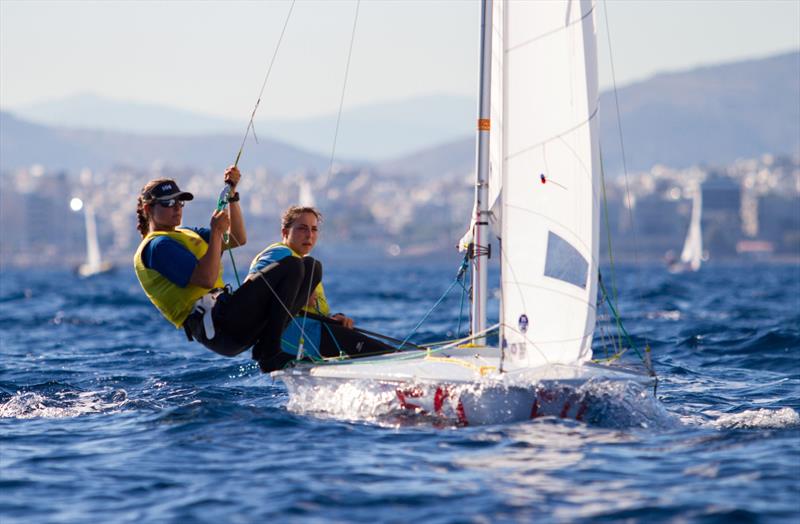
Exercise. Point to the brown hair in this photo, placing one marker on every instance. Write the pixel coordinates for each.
(143, 224)
(293, 212)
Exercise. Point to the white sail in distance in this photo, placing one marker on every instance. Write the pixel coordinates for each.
(692, 253)
(550, 179)
(93, 260)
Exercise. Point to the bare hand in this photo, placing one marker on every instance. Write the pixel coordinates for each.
(343, 320)
(232, 176)
(220, 222)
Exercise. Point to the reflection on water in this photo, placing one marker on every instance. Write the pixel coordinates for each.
(537, 462)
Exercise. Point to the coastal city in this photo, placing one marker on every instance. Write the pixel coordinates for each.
(749, 210)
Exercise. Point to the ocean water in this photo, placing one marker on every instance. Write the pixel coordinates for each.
(108, 414)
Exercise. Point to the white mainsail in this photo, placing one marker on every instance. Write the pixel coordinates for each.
(692, 253)
(550, 172)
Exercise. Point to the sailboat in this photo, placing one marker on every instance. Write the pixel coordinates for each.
(692, 254)
(94, 264)
(538, 189)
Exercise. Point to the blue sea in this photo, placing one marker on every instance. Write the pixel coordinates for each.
(108, 414)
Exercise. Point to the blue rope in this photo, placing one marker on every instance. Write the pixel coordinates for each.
(461, 270)
(464, 292)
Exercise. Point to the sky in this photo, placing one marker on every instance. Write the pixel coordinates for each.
(211, 57)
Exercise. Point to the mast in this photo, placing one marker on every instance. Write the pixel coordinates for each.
(480, 247)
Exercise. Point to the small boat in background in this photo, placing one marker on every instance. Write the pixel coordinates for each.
(94, 264)
(692, 255)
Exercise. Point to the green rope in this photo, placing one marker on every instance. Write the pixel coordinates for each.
(610, 248)
(623, 331)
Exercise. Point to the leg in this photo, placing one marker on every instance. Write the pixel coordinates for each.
(257, 312)
(336, 339)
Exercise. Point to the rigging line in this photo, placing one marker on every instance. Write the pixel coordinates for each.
(335, 136)
(560, 135)
(424, 318)
(341, 99)
(263, 85)
(291, 317)
(610, 250)
(233, 261)
(624, 164)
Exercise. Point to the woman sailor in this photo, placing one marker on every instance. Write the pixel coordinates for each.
(180, 271)
(323, 335)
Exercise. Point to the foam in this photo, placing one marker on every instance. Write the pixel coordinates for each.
(63, 404)
(760, 419)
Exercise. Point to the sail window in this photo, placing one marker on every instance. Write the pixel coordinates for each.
(564, 262)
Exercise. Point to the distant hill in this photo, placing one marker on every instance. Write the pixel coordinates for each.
(711, 115)
(370, 132)
(23, 144)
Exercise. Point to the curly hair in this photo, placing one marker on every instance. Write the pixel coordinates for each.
(293, 212)
(143, 224)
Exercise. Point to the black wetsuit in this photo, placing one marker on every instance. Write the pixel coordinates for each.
(257, 313)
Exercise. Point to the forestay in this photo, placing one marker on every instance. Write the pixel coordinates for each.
(549, 202)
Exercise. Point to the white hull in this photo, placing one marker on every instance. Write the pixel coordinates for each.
(459, 386)
(87, 270)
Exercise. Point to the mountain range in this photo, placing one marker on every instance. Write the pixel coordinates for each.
(708, 115)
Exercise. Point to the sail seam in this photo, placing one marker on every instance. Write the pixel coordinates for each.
(555, 137)
(550, 220)
(544, 288)
(552, 31)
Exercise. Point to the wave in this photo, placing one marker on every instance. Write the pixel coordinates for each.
(759, 419)
(62, 404)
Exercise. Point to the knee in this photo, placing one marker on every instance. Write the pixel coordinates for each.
(293, 265)
(313, 266)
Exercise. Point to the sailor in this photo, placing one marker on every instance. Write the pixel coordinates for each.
(322, 334)
(180, 271)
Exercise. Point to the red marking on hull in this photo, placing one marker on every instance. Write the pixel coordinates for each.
(462, 416)
(535, 408)
(438, 399)
(565, 409)
(581, 411)
(404, 403)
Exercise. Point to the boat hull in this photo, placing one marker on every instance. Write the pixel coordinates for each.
(563, 391)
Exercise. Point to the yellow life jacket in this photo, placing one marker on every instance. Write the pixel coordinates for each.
(321, 306)
(174, 302)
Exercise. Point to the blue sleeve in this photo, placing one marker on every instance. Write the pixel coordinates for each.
(202, 231)
(269, 256)
(171, 259)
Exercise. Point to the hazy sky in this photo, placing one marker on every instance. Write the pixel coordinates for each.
(211, 57)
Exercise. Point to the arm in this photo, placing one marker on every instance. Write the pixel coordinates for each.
(238, 234)
(207, 268)
(343, 320)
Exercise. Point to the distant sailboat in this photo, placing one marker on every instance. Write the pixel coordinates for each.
(692, 254)
(306, 194)
(94, 264)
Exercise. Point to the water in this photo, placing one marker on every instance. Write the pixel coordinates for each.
(107, 414)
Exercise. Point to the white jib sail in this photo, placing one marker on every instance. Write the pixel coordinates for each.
(692, 253)
(550, 172)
